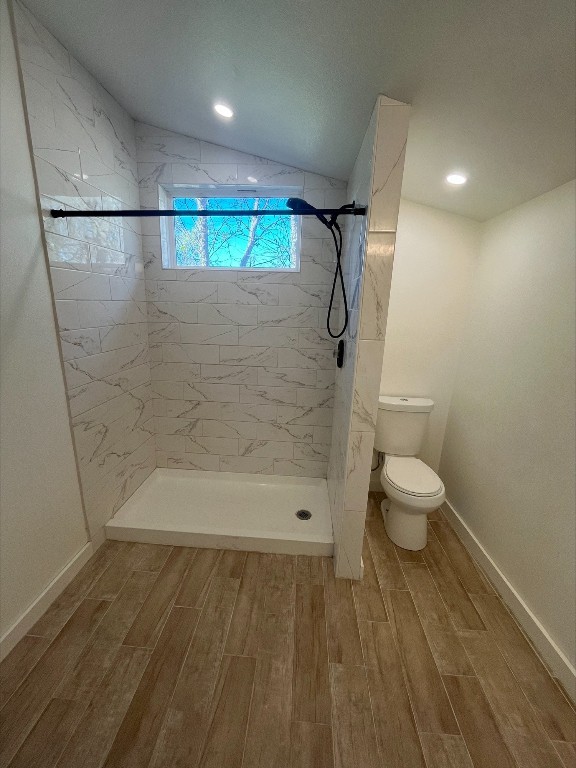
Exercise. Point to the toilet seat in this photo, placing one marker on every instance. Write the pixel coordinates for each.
(411, 476)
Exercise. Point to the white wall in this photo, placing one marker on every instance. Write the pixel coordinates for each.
(42, 524)
(509, 455)
(436, 254)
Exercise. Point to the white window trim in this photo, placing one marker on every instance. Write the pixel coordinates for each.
(167, 192)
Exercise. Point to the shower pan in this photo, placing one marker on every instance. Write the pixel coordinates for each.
(228, 510)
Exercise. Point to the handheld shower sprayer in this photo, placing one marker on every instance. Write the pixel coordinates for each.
(298, 205)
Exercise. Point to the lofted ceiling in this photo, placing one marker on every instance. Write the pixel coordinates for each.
(491, 82)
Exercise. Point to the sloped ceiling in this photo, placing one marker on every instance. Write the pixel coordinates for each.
(492, 83)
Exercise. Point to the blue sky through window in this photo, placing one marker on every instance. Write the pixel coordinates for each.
(235, 242)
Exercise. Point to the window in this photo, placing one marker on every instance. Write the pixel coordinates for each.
(232, 242)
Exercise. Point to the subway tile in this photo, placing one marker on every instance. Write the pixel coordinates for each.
(232, 293)
(204, 275)
(73, 284)
(208, 334)
(65, 188)
(109, 262)
(226, 314)
(172, 312)
(204, 173)
(100, 366)
(291, 317)
(243, 412)
(257, 431)
(268, 395)
(214, 153)
(258, 336)
(244, 355)
(152, 174)
(195, 461)
(56, 226)
(168, 389)
(126, 288)
(166, 331)
(325, 378)
(221, 446)
(276, 449)
(167, 149)
(271, 174)
(224, 393)
(192, 409)
(311, 416)
(66, 252)
(117, 336)
(171, 443)
(313, 338)
(172, 290)
(250, 464)
(168, 426)
(228, 374)
(105, 313)
(305, 358)
(310, 397)
(97, 231)
(67, 314)
(190, 353)
(79, 343)
(322, 435)
(278, 377)
(300, 468)
(304, 295)
(187, 372)
(88, 396)
(313, 451)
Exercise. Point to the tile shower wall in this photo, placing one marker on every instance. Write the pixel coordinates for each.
(376, 180)
(242, 365)
(85, 159)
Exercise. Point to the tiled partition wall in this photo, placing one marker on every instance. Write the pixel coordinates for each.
(85, 158)
(242, 365)
(376, 180)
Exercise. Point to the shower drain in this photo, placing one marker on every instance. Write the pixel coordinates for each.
(303, 514)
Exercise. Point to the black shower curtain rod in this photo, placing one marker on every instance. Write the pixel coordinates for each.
(58, 213)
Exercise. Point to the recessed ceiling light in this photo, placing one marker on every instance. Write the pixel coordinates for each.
(252, 179)
(456, 178)
(223, 110)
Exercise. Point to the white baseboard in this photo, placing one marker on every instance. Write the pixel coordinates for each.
(25, 623)
(551, 653)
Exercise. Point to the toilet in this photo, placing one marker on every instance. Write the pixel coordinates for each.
(412, 488)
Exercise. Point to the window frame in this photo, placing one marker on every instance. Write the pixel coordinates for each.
(167, 193)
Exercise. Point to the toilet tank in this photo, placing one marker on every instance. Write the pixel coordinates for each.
(401, 424)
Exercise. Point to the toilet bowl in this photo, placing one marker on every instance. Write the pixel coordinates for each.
(413, 490)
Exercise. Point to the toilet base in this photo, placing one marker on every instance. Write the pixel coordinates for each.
(407, 529)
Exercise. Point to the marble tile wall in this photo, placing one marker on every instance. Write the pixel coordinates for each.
(85, 159)
(242, 365)
(376, 181)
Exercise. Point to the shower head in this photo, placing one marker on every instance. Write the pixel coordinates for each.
(298, 205)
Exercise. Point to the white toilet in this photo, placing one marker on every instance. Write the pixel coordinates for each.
(412, 488)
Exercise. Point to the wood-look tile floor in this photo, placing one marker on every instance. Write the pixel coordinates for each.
(167, 657)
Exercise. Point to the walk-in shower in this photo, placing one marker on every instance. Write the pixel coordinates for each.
(206, 405)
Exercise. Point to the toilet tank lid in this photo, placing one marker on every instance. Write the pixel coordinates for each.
(413, 404)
